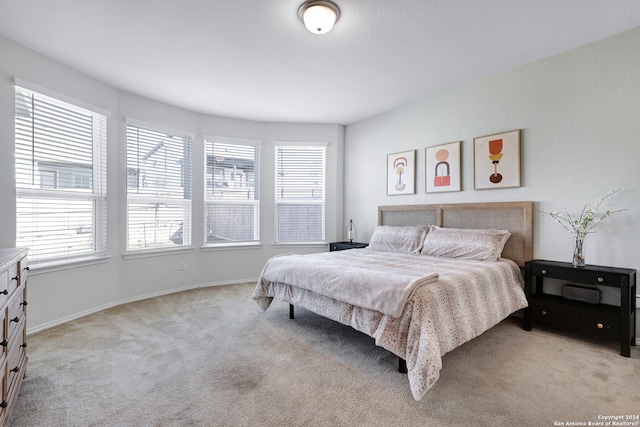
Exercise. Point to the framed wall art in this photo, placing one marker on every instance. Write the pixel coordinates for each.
(443, 169)
(497, 160)
(401, 173)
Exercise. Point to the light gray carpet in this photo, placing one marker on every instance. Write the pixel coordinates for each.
(210, 357)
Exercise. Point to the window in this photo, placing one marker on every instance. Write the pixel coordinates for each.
(232, 199)
(300, 171)
(60, 178)
(158, 189)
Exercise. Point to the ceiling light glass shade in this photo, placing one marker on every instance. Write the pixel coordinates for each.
(319, 16)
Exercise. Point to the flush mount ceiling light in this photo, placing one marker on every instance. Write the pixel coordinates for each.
(318, 15)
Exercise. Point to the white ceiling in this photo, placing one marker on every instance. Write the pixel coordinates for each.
(253, 59)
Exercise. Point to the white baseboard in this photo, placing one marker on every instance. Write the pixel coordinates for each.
(85, 313)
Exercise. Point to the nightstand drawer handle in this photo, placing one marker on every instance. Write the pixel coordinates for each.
(16, 369)
(544, 313)
(600, 279)
(544, 271)
(600, 325)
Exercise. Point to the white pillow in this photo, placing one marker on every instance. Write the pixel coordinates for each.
(398, 238)
(464, 243)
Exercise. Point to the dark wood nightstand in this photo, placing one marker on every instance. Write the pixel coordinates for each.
(342, 246)
(600, 320)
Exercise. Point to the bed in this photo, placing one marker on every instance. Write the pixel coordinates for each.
(452, 271)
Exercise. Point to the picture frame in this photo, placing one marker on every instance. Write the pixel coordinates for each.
(443, 168)
(401, 173)
(497, 160)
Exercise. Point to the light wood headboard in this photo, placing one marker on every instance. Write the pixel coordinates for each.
(517, 217)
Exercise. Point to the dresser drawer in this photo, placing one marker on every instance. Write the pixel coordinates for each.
(13, 279)
(16, 310)
(23, 267)
(15, 360)
(4, 340)
(4, 287)
(4, 394)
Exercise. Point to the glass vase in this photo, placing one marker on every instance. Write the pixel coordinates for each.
(578, 254)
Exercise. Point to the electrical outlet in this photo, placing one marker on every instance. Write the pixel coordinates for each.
(183, 265)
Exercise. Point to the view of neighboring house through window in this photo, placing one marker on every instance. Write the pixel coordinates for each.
(300, 193)
(158, 188)
(60, 154)
(232, 191)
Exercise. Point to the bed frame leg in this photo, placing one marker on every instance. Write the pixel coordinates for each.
(291, 311)
(402, 365)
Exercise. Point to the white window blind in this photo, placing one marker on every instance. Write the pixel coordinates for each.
(158, 189)
(232, 191)
(60, 154)
(300, 193)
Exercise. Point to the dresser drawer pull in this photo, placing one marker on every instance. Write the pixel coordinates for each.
(4, 343)
(26, 268)
(15, 278)
(4, 404)
(5, 292)
(23, 345)
(23, 303)
(544, 271)
(15, 319)
(600, 279)
(16, 369)
(600, 325)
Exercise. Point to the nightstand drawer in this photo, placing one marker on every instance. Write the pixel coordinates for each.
(603, 322)
(577, 275)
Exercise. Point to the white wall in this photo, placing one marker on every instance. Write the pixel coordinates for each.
(580, 118)
(63, 294)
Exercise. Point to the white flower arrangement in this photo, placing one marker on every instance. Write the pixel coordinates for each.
(589, 218)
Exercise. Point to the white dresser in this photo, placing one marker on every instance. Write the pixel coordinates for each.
(13, 300)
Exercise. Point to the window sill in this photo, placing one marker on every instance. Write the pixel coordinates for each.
(42, 267)
(299, 245)
(231, 246)
(155, 253)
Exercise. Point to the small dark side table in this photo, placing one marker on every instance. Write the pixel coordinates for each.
(600, 320)
(343, 246)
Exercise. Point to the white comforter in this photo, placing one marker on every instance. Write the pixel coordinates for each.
(468, 298)
(349, 277)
